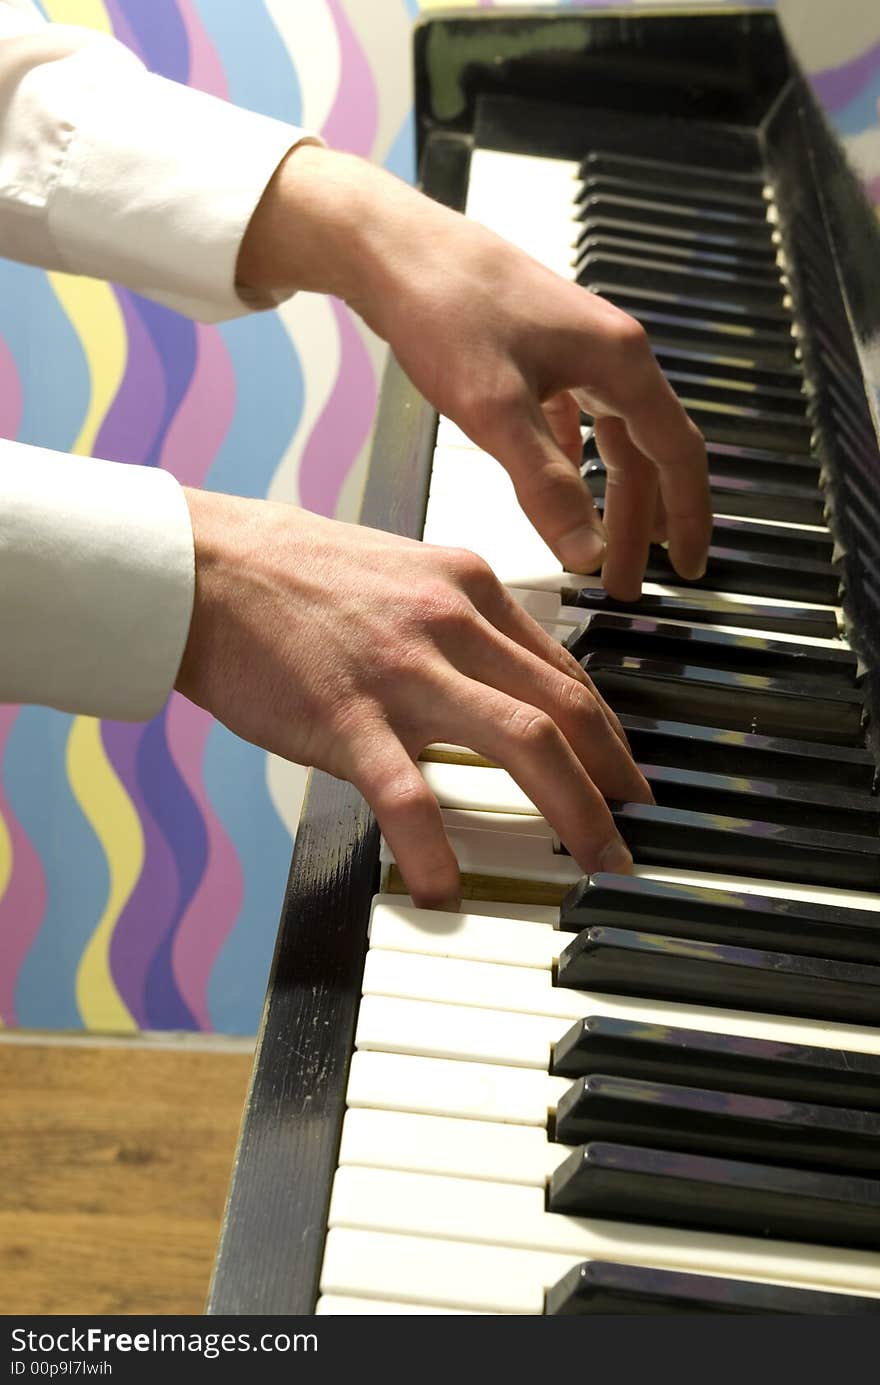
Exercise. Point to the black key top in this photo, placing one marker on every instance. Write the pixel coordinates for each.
(699, 384)
(713, 227)
(621, 961)
(791, 501)
(756, 1067)
(738, 294)
(644, 184)
(708, 310)
(607, 221)
(726, 752)
(683, 177)
(755, 574)
(628, 1183)
(704, 1120)
(599, 1286)
(723, 916)
(792, 620)
(759, 464)
(686, 178)
(816, 711)
(740, 424)
(701, 332)
(773, 540)
(637, 240)
(787, 383)
(700, 644)
(763, 800)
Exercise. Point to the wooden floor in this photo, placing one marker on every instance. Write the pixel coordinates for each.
(114, 1164)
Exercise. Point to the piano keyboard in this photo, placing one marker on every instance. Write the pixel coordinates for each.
(657, 1092)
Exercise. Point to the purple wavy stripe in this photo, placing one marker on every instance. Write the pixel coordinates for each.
(11, 401)
(122, 29)
(205, 69)
(205, 414)
(174, 340)
(24, 901)
(157, 891)
(134, 419)
(343, 424)
(836, 86)
(353, 117)
(159, 34)
(214, 908)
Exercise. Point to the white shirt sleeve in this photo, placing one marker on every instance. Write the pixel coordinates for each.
(108, 170)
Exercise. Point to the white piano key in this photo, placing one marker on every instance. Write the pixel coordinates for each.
(406, 979)
(336, 1305)
(442, 1145)
(444, 1087)
(528, 200)
(478, 787)
(476, 1212)
(488, 1279)
(416, 1025)
(399, 927)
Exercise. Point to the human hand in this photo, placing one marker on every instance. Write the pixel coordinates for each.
(351, 650)
(505, 348)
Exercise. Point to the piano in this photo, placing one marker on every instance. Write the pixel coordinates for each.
(656, 1093)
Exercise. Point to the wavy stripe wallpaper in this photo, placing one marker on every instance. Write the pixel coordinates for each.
(142, 866)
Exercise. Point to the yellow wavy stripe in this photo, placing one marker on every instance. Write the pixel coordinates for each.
(91, 13)
(109, 811)
(5, 856)
(97, 320)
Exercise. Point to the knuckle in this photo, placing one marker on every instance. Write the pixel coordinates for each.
(531, 728)
(490, 411)
(402, 794)
(578, 702)
(626, 335)
(469, 569)
(441, 607)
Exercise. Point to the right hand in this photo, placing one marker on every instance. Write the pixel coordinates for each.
(351, 650)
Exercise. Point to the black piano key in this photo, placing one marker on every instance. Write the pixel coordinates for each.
(603, 223)
(722, 228)
(818, 710)
(755, 573)
(763, 800)
(791, 501)
(738, 294)
(707, 311)
(684, 177)
(711, 648)
(728, 752)
(711, 1121)
(622, 961)
(793, 620)
(741, 424)
(772, 540)
(680, 328)
(759, 464)
(756, 1067)
(603, 1287)
(787, 383)
(636, 240)
(645, 183)
(717, 915)
(628, 1183)
(700, 384)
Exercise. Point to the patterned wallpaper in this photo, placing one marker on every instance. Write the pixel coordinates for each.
(142, 866)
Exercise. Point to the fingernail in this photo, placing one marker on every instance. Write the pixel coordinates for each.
(583, 548)
(616, 858)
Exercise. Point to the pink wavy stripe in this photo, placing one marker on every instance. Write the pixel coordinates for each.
(354, 115)
(24, 901)
(344, 423)
(205, 413)
(191, 444)
(214, 908)
(11, 401)
(205, 69)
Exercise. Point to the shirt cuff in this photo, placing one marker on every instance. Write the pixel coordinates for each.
(97, 572)
(157, 187)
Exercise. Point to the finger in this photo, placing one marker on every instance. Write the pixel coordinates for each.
(564, 418)
(549, 489)
(535, 753)
(410, 820)
(633, 387)
(661, 528)
(500, 663)
(496, 604)
(630, 509)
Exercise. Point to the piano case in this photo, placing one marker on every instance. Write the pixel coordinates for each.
(712, 83)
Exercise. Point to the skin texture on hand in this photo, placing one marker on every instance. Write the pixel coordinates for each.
(351, 650)
(506, 349)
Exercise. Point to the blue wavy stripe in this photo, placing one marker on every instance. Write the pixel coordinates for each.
(235, 779)
(259, 72)
(75, 867)
(861, 112)
(401, 157)
(45, 348)
(161, 36)
(174, 808)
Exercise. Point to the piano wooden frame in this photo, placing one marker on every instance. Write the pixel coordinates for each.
(731, 67)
